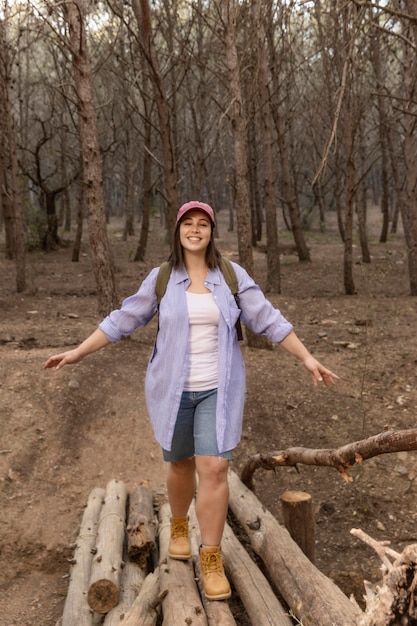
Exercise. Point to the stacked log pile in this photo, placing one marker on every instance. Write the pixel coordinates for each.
(121, 573)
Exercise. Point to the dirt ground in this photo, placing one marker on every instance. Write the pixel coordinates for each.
(63, 433)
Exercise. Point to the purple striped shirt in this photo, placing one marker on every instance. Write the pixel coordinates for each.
(167, 367)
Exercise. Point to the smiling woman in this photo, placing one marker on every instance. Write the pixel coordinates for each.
(195, 382)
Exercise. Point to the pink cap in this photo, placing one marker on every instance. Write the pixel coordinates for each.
(197, 206)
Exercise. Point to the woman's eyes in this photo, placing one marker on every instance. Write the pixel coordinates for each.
(200, 224)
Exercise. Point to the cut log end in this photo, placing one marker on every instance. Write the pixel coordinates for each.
(103, 596)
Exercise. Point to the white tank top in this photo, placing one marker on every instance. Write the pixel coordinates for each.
(203, 315)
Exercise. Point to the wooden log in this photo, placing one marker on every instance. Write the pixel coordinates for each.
(298, 515)
(141, 524)
(144, 610)
(106, 568)
(311, 596)
(130, 586)
(182, 605)
(218, 612)
(260, 602)
(76, 608)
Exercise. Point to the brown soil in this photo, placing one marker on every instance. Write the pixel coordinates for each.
(63, 433)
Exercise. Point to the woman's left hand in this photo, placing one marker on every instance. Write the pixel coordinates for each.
(319, 373)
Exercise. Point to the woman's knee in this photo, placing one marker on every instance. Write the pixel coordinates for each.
(183, 467)
(212, 468)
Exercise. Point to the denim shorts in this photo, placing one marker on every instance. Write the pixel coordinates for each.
(195, 428)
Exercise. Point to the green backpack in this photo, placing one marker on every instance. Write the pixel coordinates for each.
(229, 275)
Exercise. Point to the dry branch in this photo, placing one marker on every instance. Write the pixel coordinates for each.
(141, 525)
(312, 597)
(182, 605)
(106, 569)
(343, 458)
(395, 602)
(76, 608)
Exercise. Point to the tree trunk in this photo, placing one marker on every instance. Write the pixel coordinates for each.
(92, 167)
(409, 207)
(146, 183)
(239, 125)
(289, 192)
(273, 278)
(142, 13)
(313, 597)
(76, 608)
(9, 140)
(106, 569)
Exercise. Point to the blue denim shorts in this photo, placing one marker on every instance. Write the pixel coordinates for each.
(195, 428)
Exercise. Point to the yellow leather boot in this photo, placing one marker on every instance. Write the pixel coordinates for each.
(216, 585)
(179, 546)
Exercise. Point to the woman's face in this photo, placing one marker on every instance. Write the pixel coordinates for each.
(195, 231)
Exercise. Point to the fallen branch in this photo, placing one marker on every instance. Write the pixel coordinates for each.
(395, 601)
(342, 459)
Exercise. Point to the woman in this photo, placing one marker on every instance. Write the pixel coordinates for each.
(195, 381)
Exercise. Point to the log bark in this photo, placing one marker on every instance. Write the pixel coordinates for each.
(144, 611)
(311, 596)
(130, 586)
(76, 608)
(141, 525)
(182, 605)
(261, 603)
(218, 613)
(343, 458)
(106, 569)
(299, 520)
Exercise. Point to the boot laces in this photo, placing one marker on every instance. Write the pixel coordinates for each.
(212, 563)
(179, 529)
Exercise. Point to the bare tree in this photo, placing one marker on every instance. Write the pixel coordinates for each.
(11, 192)
(92, 169)
(142, 13)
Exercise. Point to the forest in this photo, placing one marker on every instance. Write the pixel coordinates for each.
(264, 109)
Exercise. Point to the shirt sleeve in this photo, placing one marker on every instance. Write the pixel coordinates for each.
(258, 313)
(136, 311)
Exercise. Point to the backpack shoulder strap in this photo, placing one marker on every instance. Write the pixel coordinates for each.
(229, 274)
(232, 282)
(162, 280)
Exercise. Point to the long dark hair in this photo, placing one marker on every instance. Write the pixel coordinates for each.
(176, 258)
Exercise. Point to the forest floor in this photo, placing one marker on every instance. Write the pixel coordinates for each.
(65, 432)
